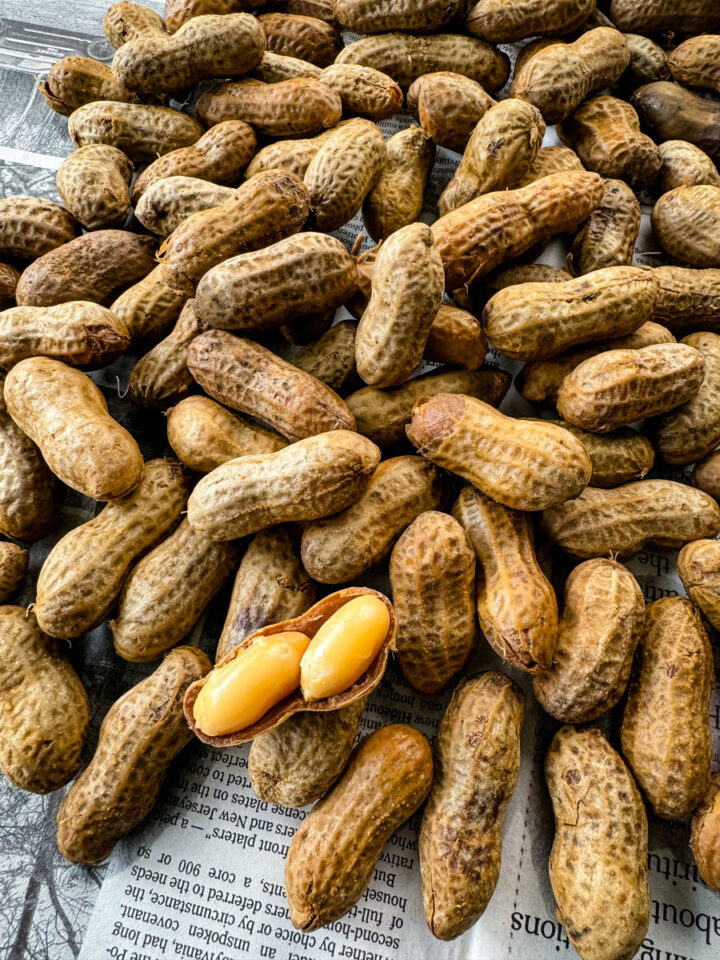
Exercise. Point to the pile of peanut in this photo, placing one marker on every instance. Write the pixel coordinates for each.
(188, 237)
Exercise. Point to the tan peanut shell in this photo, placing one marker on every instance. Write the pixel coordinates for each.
(501, 148)
(294, 107)
(276, 67)
(178, 11)
(532, 321)
(293, 155)
(671, 112)
(653, 16)
(95, 266)
(407, 289)
(665, 730)
(508, 276)
(265, 209)
(31, 226)
(203, 435)
(687, 297)
(79, 333)
(297, 762)
(13, 567)
(705, 835)
(685, 165)
(249, 378)
(477, 762)
(618, 387)
(312, 478)
(363, 90)
(142, 132)
(339, 548)
(447, 106)
(220, 156)
(84, 572)
(648, 61)
(167, 592)
(161, 377)
(9, 277)
(501, 225)
(308, 623)
(539, 380)
(167, 202)
(396, 200)
(432, 573)
(524, 465)
(380, 16)
(558, 77)
(204, 47)
(94, 185)
(141, 734)
(516, 605)
(322, 9)
(334, 852)
(550, 160)
(605, 133)
(706, 475)
(686, 224)
(125, 21)
(65, 414)
(599, 630)
(74, 81)
(607, 238)
(271, 586)
(382, 415)
(617, 457)
(150, 307)
(598, 862)
(307, 38)
(44, 711)
(622, 521)
(499, 22)
(698, 565)
(309, 273)
(456, 337)
(331, 358)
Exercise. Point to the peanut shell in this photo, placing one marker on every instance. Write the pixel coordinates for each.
(142, 132)
(607, 238)
(698, 565)
(31, 226)
(397, 198)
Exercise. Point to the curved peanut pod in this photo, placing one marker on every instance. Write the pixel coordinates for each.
(150, 307)
(508, 276)
(499, 22)
(332, 357)
(432, 572)
(705, 836)
(307, 480)
(340, 548)
(477, 762)
(648, 62)
(161, 377)
(687, 297)
(447, 106)
(271, 586)
(308, 623)
(142, 132)
(671, 112)
(516, 604)
(607, 238)
(685, 165)
(363, 90)
(66, 415)
(665, 730)
(295, 35)
(601, 833)
(297, 763)
(74, 81)
(13, 567)
(167, 202)
(524, 465)
(617, 457)
(44, 710)
(84, 572)
(599, 630)
(456, 337)
(686, 222)
(397, 198)
(141, 734)
(622, 521)
(334, 852)
(31, 227)
(698, 565)
(125, 21)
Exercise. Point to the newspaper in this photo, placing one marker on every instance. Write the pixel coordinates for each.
(203, 877)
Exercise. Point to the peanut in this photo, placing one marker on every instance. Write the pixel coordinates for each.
(125, 21)
(498, 22)
(686, 222)
(150, 307)
(447, 106)
(94, 185)
(617, 457)
(275, 67)
(485, 287)
(598, 862)
(648, 61)
(310, 479)
(607, 238)
(141, 734)
(653, 16)
(516, 605)
(665, 730)
(432, 572)
(292, 155)
(167, 202)
(340, 548)
(363, 90)
(384, 15)
(13, 567)
(334, 852)
(396, 200)
(322, 9)
(30, 227)
(45, 710)
(177, 12)
(658, 513)
(599, 630)
(142, 132)
(705, 475)
(306, 38)
(685, 165)
(698, 566)
(695, 63)
(674, 113)
(161, 377)
(456, 337)
(687, 297)
(9, 277)
(477, 762)
(705, 835)
(74, 81)
(332, 357)
(550, 160)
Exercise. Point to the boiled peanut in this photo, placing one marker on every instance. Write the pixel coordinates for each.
(686, 222)
(380, 17)
(275, 67)
(339, 548)
(167, 592)
(665, 730)
(432, 572)
(382, 415)
(648, 61)
(271, 586)
(141, 734)
(125, 21)
(295, 35)
(698, 566)
(617, 457)
(396, 200)
(685, 165)
(456, 337)
(30, 227)
(150, 307)
(658, 513)
(309, 479)
(161, 377)
(204, 435)
(607, 238)
(497, 22)
(447, 106)
(516, 605)
(94, 185)
(169, 201)
(178, 11)
(477, 762)
(13, 567)
(294, 107)
(687, 297)
(550, 160)
(363, 90)
(74, 81)
(599, 630)
(674, 113)
(292, 155)
(653, 16)
(705, 835)
(142, 132)
(388, 777)
(45, 710)
(601, 832)
(332, 357)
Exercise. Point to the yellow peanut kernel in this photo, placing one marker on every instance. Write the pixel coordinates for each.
(344, 647)
(238, 693)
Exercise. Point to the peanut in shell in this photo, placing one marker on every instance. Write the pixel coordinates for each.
(705, 836)
(293, 155)
(32, 226)
(125, 21)
(607, 238)
(9, 277)
(686, 222)
(177, 12)
(13, 567)
(169, 201)
(380, 16)
(150, 308)
(363, 90)
(397, 198)
(161, 377)
(687, 297)
(456, 337)
(276, 67)
(654, 16)
(617, 457)
(670, 112)
(447, 106)
(142, 132)
(550, 160)
(74, 81)
(706, 475)
(698, 566)
(296, 35)
(685, 165)
(648, 61)
(331, 358)
(93, 183)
